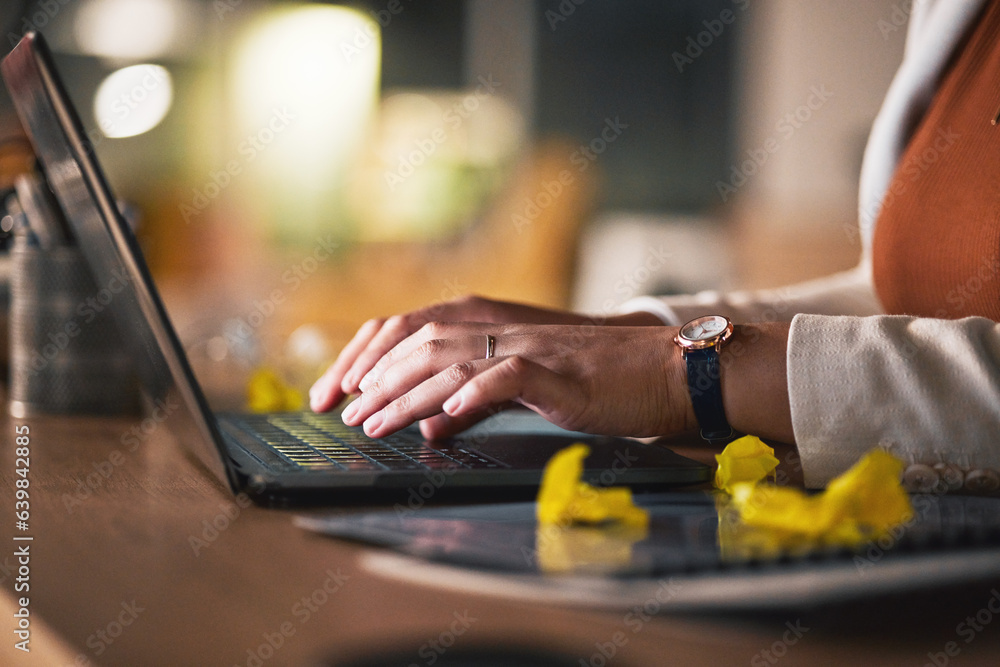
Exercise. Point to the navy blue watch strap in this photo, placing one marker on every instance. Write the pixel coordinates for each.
(703, 372)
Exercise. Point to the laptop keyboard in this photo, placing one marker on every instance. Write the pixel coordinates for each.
(322, 442)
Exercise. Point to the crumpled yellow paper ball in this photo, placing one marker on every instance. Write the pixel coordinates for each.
(744, 460)
(266, 392)
(871, 494)
(564, 499)
(860, 505)
(582, 528)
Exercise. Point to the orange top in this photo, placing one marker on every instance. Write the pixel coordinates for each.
(936, 250)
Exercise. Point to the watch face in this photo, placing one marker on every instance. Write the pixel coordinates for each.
(705, 328)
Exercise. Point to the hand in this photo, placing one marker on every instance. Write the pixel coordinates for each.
(598, 379)
(378, 336)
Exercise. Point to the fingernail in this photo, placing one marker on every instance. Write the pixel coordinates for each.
(350, 411)
(373, 423)
(453, 404)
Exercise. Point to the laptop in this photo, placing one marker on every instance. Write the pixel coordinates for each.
(287, 458)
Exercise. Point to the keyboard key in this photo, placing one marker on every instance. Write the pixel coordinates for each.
(323, 442)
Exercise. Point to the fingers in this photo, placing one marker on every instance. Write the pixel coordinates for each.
(376, 338)
(420, 346)
(421, 402)
(430, 358)
(327, 392)
(389, 334)
(423, 363)
(374, 347)
(554, 396)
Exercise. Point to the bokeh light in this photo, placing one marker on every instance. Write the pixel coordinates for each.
(133, 100)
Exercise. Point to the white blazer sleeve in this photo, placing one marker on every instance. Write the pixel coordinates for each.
(926, 389)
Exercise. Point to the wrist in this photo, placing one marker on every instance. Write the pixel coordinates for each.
(746, 385)
(755, 381)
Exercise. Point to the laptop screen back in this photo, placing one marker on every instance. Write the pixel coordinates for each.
(108, 244)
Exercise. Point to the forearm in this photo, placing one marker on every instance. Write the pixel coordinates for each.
(636, 319)
(480, 309)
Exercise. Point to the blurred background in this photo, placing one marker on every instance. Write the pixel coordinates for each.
(296, 168)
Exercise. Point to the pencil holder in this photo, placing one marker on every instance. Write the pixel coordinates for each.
(66, 351)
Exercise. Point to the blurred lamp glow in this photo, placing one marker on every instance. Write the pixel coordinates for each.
(135, 29)
(133, 100)
(316, 69)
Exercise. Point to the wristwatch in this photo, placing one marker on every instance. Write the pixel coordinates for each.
(700, 341)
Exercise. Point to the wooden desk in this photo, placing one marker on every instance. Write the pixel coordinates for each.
(119, 559)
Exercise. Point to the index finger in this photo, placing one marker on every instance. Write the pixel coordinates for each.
(326, 392)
